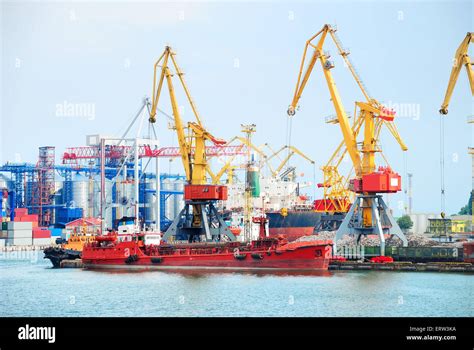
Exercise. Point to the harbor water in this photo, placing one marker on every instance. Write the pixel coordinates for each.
(31, 287)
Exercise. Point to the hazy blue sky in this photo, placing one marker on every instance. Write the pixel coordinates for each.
(241, 60)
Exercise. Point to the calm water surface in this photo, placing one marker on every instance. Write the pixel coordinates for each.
(30, 287)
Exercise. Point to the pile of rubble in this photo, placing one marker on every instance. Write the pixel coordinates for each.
(414, 240)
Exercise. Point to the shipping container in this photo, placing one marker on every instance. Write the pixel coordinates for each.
(41, 241)
(41, 233)
(20, 212)
(468, 252)
(28, 218)
(19, 241)
(65, 215)
(428, 254)
(15, 225)
(56, 232)
(20, 233)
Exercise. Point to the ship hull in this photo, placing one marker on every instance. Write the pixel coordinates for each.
(293, 225)
(291, 233)
(312, 256)
(301, 223)
(56, 255)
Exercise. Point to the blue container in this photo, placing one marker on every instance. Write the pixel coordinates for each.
(56, 232)
(65, 215)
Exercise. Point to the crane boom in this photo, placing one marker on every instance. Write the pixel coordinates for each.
(157, 88)
(292, 151)
(372, 113)
(349, 138)
(461, 59)
(195, 163)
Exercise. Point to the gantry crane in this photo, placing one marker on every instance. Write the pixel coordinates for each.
(368, 214)
(203, 222)
(461, 59)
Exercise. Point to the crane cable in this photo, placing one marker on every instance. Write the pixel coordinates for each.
(288, 141)
(405, 184)
(441, 161)
(289, 127)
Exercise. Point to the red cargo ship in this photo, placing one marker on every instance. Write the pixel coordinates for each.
(131, 252)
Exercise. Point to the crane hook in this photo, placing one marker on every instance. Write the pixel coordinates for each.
(291, 111)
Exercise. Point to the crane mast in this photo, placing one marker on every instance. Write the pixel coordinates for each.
(199, 219)
(369, 214)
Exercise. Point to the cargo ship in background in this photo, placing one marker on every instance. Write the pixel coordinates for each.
(290, 214)
(297, 222)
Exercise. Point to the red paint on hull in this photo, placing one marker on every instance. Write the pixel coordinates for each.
(291, 233)
(292, 256)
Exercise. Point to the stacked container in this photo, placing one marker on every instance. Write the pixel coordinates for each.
(19, 233)
(41, 236)
(24, 230)
(3, 234)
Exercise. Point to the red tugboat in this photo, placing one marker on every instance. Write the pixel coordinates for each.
(131, 252)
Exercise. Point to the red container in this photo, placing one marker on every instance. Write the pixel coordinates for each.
(29, 218)
(41, 233)
(206, 192)
(468, 252)
(20, 212)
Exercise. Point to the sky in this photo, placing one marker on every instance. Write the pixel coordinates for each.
(241, 61)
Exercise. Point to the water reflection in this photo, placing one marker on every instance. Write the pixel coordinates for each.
(206, 272)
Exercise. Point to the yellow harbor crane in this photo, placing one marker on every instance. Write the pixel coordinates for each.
(228, 168)
(291, 152)
(369, 213)
(461, 59)
(204, 220)
(264, 161)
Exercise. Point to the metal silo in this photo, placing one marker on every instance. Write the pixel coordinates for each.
(150, 200)
(96, 198)
(82, 192)
(125, 198)
(168, 185)
(178, 199)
